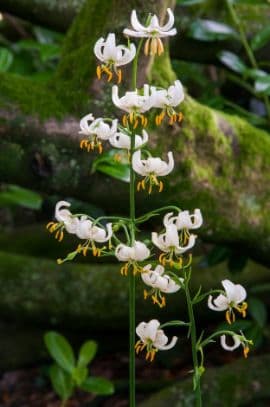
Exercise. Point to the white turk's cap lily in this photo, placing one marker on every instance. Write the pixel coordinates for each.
(159, 281)
(151, 168)
(96, 130)
(237, 341)
(63, 215)
(184, 220)
(233, 298)
(86, 230)
(169, 241)
(167, 99)
(121, 140)
(157, 278)
(153, 31)
(152, 338)
(133, 102)
(137, 252)
(112, 56)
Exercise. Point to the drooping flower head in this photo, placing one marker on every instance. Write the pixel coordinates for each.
(122, 140)
(153, 31)
(184, 222)
(167, 99)
(112, 56)
(151, 168)
(160, 282)
(65, 221)
(152, 338)
(169, 243)
(135, 104)
(96, 130)
(237, 341)
(232, 299)
(131, 255)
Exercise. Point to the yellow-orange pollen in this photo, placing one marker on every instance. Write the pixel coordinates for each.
(106, 69)
(156, 297)
(151, 352)
(230, 315)
(153, 181)
(57, 228)
(90, 145)
(173, 116)
(133, 265)
(134, 119)
(153, 46)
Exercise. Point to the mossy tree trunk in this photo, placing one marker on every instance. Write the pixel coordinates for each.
(222, 163)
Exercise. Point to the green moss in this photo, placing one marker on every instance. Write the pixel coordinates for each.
(161, 73)
(32, 97)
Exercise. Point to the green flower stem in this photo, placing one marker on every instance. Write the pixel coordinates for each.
(193, 337)
(214, 335)
(246, 46)
(132, 282)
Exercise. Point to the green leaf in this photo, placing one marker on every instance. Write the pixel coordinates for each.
(262, 85)
(6, 59)
(15, 195)
(118, 171)
(174, 323)
(79, 374)
(237, 262)
(190, 2)
(258, 311)
(232, 61)
(261, 38)
(61, 382)
(60, 350)
(87, 353)
(217, 255)
(207, 30)
(49, 52)
(98, 385)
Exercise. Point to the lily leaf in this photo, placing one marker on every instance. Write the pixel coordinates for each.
(14, 195)
(87, 353)
(208, 30)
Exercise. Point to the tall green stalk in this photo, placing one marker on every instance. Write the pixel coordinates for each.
(132, 282)
(193, 337)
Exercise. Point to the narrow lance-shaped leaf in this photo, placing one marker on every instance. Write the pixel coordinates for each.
(261, 38)
(98, 385)
(61, 382)
(87, 353)
(232, 61)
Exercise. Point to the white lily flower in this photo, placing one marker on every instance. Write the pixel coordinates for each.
(237, 341)
(134, 103)
(169, 241)
(86, 230)
(152, 338)
(167, 99)
(151, 168)
(65, 220)
(234, 297)
(97, 131)
(153, 32)
(112, 56)
(184, 220)
(121, 140)
(160, 282)
(131, 255)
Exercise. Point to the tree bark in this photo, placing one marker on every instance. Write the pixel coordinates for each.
(39, 291)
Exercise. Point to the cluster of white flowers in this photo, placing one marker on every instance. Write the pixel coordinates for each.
(175, 240)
